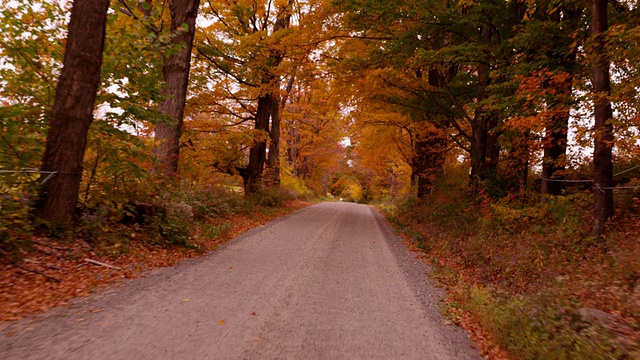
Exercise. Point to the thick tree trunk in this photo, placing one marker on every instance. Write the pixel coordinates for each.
(72, 112)
(175, 74)
(478, 149)
(555, 150)
(272, 176)
(257, 153)
(268, 107)
(480, 129)
(603, 130)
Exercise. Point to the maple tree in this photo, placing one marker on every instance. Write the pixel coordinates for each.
(252, 51)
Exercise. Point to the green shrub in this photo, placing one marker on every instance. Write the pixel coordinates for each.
(537, 330)
(15, 225)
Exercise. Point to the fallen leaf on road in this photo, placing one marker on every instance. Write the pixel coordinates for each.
(221, 322)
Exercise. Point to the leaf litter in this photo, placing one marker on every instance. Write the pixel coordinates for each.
(55, 271)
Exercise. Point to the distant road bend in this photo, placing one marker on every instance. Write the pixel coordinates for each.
(330, 281)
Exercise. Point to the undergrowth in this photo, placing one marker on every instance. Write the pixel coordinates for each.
(530, 272)
(158, 214)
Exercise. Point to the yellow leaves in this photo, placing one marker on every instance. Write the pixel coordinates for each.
(220, 322)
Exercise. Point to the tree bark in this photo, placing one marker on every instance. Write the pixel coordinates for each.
(175, 74)
(555, 150)
(72, 112)
(603, 130)
(273, 176)
(480, 129)
(478, 148)
(273, 164)
(268, 107)
(257, 153)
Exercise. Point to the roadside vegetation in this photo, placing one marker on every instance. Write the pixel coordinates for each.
(525, 276)
(113, 240)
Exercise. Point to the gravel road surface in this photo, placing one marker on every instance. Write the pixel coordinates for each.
(330, 281)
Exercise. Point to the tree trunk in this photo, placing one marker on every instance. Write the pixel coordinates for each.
(555, 150)
(175, 74)
(257, 153)
(273, 174)
(268, 107)
(72, 112)
(478, 148)
(557, 127)
(603, 130)
(480, 128)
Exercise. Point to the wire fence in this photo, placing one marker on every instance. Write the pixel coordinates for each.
(597, 186)
(50, 174)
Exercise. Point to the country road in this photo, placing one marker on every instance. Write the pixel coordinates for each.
(330, 281)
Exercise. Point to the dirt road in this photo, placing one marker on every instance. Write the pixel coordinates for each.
(327, 282)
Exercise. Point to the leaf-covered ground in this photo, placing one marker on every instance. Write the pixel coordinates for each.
(55, 271)
(525, 294)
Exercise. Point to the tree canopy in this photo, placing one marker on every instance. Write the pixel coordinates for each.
(389, 97)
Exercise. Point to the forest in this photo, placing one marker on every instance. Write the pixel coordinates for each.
(500, 137)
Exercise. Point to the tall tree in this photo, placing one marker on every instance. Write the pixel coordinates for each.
(603, 129)
(278, 101)
(554, 55)
(72, 112)
(250, 47)
(175, 74)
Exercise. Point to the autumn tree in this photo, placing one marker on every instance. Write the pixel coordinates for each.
(603, 129)
(253, 50)
(313, 128)
(72, 112)
(547, 44)
(25, 110)
(175, 74)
